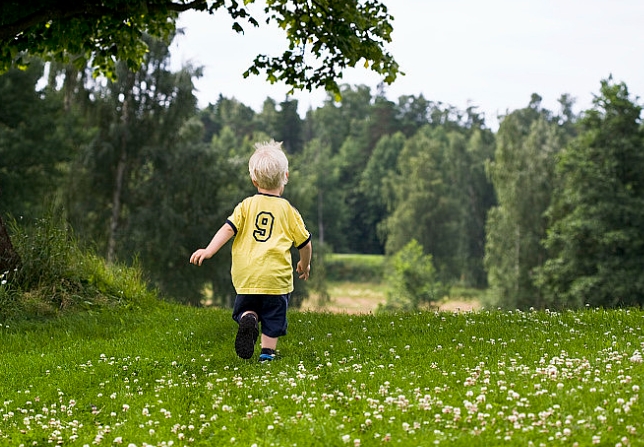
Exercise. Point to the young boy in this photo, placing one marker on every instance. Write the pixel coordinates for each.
(265, 227)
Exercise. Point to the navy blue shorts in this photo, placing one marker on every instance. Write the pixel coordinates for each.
(271, 310)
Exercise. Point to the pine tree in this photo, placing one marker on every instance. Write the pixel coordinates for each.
(595, 241)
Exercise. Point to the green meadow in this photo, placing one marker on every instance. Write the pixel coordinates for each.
(167, 375)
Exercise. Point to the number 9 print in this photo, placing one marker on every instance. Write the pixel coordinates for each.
(263, 226)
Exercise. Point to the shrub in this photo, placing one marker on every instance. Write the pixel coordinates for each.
(57, 275)
(411, 279)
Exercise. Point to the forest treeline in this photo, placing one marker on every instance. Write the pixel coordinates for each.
(545, 212)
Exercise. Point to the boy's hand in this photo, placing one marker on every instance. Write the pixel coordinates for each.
(198, 256)
(303, 271)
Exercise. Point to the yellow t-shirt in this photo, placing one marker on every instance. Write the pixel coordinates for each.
(266, 227)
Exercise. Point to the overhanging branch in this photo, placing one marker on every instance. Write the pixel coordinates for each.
(69, 10)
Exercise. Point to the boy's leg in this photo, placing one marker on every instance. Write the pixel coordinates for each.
(269, 342)
(269, 346)
(247, 335)
(273, 316)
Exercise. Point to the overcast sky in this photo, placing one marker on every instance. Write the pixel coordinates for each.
(492, 54)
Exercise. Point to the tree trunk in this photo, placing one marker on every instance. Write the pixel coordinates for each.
(320, 217)
(116, 205)
(9, 258)
(120, 171)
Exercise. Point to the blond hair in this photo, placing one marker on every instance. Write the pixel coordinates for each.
(268, 166)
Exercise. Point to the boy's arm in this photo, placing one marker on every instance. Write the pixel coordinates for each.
(219, 240)
(304, 264)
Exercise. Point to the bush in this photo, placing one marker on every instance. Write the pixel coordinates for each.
(411, 279)
(56, 275)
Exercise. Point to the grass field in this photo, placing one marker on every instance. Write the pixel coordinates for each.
(168, 376)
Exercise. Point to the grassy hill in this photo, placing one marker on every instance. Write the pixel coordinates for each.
(91, 357)
(168, 375)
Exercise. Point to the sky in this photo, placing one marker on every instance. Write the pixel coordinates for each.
(491, 54)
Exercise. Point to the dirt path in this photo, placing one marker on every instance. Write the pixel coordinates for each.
(459, 306)
(344, 304)
(365, 305)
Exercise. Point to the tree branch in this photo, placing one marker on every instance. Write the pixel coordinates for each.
(11, 30)
(65, 10)
(197, 5)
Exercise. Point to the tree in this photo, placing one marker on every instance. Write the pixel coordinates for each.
(476, 198)
(228, 113)
(339, 34)
(432, 197)
(36, 141)
(333, 123)
(290, 127)
(282, 124)
(321, 202)
(522, 172)
(185, 193)
(595, 242)
(372, 188)
(137, 116)
(413, 112)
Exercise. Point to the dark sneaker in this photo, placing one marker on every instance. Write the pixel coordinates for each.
(267, 355)
(246, 336)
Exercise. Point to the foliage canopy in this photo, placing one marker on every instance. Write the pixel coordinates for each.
(336, 33)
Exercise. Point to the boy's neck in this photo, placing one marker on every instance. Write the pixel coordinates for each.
(271, 192)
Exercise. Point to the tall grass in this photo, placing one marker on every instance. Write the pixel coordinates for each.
(56, 275)
(168, 375)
